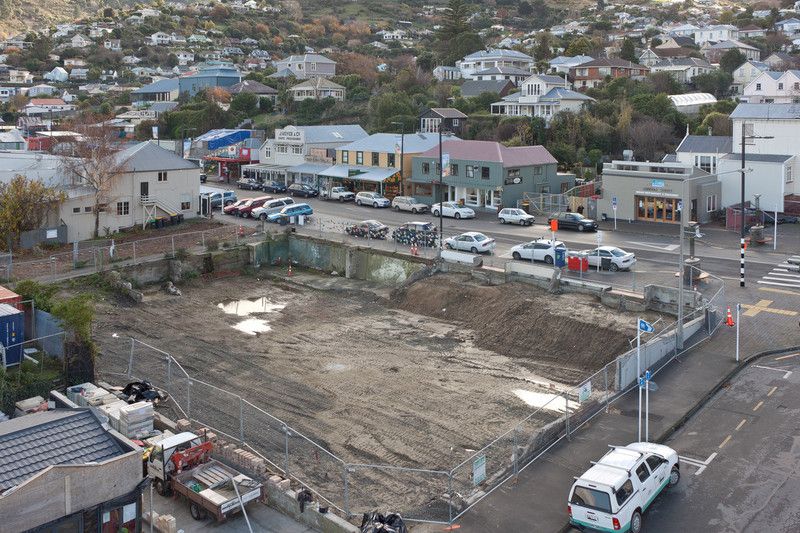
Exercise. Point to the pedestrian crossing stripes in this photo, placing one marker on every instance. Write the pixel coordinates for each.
(786, 274)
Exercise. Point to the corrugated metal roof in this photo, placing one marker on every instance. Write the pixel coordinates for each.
(472, 88)
(31, 443)
(6, 309)
(147, 156)
(706, 144)
(385, 142)
(160, 86)
(501, 52)
(517, 156)
(448, 112)
(341, 133)
(767, 111)
(763, 158)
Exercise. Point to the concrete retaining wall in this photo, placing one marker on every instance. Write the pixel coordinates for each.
(665, 299)
(286, 502)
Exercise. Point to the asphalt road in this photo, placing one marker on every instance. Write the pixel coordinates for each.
(748, 435)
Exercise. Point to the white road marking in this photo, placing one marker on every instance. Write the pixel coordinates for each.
(797, 285)
(772, 391)
(724, 442)
(667, 247)
(701, 465)
(758, 405)
(787, 356)
(785, 376)
(743, 422)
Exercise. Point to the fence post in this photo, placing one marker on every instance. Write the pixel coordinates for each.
(189, 399)
(203, 238)
(241, 418)
(450, 497)
(605, 381)
(516, 463)
(346, 492)
(286, 451)
(130, 359)
(173, 246)
(169, 372)
(134, 252)
(566, 413)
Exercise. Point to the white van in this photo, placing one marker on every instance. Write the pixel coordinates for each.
(617, 489)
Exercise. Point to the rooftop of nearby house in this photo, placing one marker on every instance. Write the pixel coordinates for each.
(491, 151)
(706, 144)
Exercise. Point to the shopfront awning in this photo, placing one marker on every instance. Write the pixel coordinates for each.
(308, 168)
(359, 173)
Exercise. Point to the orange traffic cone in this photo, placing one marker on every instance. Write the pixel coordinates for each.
(413, 249)
(290, 273)
(729, 319)
(241, 231)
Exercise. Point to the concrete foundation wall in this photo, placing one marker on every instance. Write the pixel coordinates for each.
(286, 502)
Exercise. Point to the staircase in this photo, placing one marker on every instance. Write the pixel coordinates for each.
(151, 205)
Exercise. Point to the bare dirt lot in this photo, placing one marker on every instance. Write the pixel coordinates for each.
(416, 380)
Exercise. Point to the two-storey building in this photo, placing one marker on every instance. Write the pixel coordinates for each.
(541, 95)
(596, 72)
(307, 66)
(772, 87)
(493, 58)
(448, 119)
(485, 174)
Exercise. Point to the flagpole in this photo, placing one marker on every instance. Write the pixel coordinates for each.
(639, 372)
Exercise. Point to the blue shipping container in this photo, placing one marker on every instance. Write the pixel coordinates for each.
(12, 326)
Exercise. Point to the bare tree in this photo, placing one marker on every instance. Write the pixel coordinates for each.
(649, 139)
(92, 160)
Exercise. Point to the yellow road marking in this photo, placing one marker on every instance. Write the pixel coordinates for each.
(772, 391)
(764, 305)
(779, 291)
(758, 405)
(787, 356)
(741, 424)
(723, 443)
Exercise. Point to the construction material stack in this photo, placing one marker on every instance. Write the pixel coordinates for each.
(136, 420)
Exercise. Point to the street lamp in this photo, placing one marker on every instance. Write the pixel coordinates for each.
(441, 190)
(402, 152)
(745, 137)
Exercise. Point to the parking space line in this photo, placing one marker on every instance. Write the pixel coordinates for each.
(781, 358)
(758, 405)
(744, 420)
(723, 443)
(701, 465)
(772, 390)
(785, 375)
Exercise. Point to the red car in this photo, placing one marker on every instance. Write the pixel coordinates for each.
(245, 209)
(233, 208)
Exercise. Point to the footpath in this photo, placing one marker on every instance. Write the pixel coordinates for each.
(537, 501)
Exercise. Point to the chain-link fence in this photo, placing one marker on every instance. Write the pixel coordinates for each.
(97, 256)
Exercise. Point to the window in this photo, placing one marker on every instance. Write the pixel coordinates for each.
(604, 71)
(375, 159)
(267, 152)
(484, 173)
(758, 86)
(654, 462)
(76, 209)
(390, 160)
(797, 86)
(711, 203)
(705, 162)
(454, 170)
(591, 498)
(87, 209)
(313, 66)
(359, 158)
(282, 149)
(455, 122)
(124, 208)
(298, 150)
(345, 156)
(426, 168)
(642, 472)
(470, 171)
(624, 492)
(537, 171)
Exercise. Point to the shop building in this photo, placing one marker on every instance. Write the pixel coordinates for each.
(655, 192)
(486, 174)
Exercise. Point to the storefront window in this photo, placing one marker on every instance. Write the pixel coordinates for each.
(470, 171)
(473, 196)
(345, 157)
(120, 519)
(656, 209)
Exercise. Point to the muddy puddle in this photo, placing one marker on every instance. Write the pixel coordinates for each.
(245, 308)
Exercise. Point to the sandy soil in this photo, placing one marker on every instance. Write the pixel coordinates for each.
(421, 380)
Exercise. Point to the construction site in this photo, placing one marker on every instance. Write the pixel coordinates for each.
(416, 377)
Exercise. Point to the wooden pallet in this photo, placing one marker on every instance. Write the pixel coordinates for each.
(212, 476)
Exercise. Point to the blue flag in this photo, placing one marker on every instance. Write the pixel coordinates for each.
(646, 326)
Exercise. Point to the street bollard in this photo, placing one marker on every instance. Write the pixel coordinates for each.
(286, 451)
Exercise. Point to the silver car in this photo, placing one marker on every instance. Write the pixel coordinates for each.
(372, 199)
(408, 203)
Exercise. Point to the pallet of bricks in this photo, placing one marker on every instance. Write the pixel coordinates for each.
(135, 421)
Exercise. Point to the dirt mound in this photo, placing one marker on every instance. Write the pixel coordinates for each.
(524, 322)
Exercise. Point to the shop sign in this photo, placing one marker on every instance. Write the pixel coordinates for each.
(289, 135)
(657, 184)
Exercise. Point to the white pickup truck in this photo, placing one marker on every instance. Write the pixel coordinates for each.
(338, 193)
(617, 489)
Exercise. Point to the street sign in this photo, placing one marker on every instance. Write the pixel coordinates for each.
(585, 392)
(614, 203)
(647, 375)
(641, 382)
(554, 225)
(646, 326)
(599, 237)
(479, 470)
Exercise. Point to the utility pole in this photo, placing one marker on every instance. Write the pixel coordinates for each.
(745, 137)
(402, 153)
(441, 193)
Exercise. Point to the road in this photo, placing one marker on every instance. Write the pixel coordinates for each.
(657, 255)
(748, 435)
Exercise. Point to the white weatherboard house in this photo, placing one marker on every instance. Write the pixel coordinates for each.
(486, 59)
(542, 95)
(772, 87)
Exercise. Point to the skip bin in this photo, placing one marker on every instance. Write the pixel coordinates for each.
(9, 297)
(12, 327)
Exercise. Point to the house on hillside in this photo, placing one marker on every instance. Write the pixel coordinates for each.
(543, 96)
(683, 69)
(595, 72)
(115, 45)
(449, 119)
(445, 73)
(208, 77)
(562, 64)
(714, 51)
(715, 33)
(772, 87)
(317, 88)
(789, 27)
(514, 75)
(782, 61)
(491, 58)
(255, 87)
(472, 88)
(80, 41)
(745, 73)
(307, 66)
(166, 90)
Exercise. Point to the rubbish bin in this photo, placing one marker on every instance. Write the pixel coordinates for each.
(584, 262)
(573, 262)
(605, 263)
(561, 260)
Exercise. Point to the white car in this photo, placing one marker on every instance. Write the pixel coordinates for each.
(452, 209)
(338, 193)
(617, 489)
(538, 250)
(619, 259)
(372, 199)
(408, 203)
(471, 241)
(514, 215)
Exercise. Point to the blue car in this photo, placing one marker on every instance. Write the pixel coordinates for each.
(274, 186)
(284, 215)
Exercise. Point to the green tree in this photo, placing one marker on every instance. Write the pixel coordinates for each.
(544, 46)
(387, 107)
(24, 205)
(628, 51)
(731, 60)
(246, 103)
(716, 82)
(455, 38)
(578, 47)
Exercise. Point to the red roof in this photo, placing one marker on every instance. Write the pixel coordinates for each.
(47, 101)
(517, 156)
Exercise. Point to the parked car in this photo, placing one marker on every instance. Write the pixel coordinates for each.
(250, 184)
(514, 215)
(246, 208)
(203, 178)
(574, 221)
(538, 250)
(408, 203)
(616, 258)
(270, 206)
(301, 189)
(373, 199)
(233, 209)
(273, 186)
(289, 211)
(339, 193)
(452, 209)
(371, 229)
(222, 198)
(617, 489)
(471, 241)
(419, 233)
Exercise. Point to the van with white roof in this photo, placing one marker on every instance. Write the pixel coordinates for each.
(614, 493)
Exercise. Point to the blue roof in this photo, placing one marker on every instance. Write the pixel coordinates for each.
(216, 72)
(224, 137)
(160, 86)
(562, 93)
(498, 52)
(385, 142)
